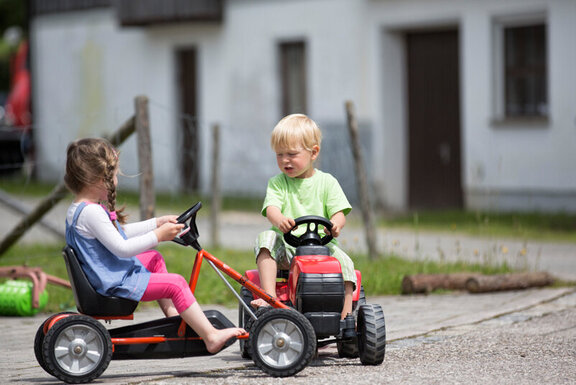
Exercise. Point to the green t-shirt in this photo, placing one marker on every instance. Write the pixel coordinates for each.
(320, 195)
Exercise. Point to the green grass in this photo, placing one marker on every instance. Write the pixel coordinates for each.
(534, 226)
(381, 277)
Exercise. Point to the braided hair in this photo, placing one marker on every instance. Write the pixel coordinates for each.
(89, 161)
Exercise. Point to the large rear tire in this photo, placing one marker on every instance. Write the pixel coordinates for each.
(282, 342)
(371, 328)
(77, 349)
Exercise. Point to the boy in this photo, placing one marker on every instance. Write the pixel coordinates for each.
(300, 190)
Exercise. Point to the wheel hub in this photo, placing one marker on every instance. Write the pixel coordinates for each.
(282, 341)
(77, 348)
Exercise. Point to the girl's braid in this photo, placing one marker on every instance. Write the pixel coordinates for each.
(111, 165)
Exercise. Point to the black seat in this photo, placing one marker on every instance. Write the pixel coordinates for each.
(88, 301)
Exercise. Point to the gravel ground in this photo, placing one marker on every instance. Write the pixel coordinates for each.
(531, 347)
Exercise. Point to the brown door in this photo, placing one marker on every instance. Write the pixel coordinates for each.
(187, 84)
(434, 120)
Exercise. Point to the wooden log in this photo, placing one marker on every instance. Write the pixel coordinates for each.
(513, 281)
(425, 283)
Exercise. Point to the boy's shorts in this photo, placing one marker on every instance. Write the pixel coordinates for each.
(283, 253)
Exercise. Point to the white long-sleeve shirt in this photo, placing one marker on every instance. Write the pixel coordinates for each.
(94, 222)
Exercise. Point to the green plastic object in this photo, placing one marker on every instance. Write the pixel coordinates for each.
(16, 299)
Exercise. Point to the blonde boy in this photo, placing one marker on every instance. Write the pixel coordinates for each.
(301, 189)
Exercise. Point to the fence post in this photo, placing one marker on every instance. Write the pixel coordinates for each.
(361, 180)
(216, 197)
(142, 122)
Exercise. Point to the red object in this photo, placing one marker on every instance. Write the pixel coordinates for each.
(18, 102)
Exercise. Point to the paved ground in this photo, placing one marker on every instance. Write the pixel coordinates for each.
(526, 337)
(438, 339)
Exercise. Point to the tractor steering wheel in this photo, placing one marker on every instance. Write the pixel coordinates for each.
(311, 236)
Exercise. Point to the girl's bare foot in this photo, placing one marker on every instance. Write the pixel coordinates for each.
(217, 339)
(259, 302)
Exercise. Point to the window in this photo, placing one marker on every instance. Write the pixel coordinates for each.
(293, 77)
(525, 85)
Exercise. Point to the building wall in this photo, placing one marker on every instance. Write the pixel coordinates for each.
(87, 71)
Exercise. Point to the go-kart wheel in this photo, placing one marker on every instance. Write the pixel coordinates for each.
(371, 329)
(311, 236)
(244, 320)
(282, 342)
(77, 349)
(245, 348)
(39, 340)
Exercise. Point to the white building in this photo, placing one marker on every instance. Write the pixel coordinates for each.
(461, 103)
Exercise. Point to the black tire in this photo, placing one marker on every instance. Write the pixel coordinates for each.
(371, 328)
(244, 320)
(77, 349)
(347, 348)
(39, 340)
(282, 342)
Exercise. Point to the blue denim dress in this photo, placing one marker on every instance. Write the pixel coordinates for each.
(109, 274)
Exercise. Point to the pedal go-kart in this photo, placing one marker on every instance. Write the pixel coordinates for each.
(77, 348)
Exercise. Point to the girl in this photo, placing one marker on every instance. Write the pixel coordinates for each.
(114, 255)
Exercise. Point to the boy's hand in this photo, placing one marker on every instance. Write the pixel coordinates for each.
(286, 224)
(168, 231)
(277, 219)
(338, 221)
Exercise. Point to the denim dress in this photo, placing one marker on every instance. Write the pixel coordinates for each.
(109, 274)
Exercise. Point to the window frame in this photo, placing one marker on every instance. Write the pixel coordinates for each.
(285, 104)
(500, 25)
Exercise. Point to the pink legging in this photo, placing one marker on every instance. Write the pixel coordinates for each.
(163, 284)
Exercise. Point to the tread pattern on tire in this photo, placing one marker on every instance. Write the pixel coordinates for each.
(372, 334)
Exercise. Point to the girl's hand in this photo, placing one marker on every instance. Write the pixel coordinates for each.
(166, 219)
(168, 231)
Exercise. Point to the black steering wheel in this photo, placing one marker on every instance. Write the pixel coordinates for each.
(189, 234)
(311, 236)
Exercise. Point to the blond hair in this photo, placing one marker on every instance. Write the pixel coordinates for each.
(296, 130)
(89, 161)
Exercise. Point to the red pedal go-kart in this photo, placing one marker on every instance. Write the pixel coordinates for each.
(77, 348)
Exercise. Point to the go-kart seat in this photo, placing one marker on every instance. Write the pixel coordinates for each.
(88, 301)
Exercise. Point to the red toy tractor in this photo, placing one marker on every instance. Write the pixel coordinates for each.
(314, 287)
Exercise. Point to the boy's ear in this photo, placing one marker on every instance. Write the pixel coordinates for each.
(315, 151)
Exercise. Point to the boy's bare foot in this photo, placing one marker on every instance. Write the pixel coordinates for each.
(259, 302)
(216, 340)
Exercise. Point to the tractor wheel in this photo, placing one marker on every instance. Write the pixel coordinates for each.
(347, 348)
(371, 329)
(77, 349)
(282, 342)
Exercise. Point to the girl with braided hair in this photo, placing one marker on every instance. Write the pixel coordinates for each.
(117, 257)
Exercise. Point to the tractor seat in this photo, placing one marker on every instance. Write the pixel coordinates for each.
(88, 300)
